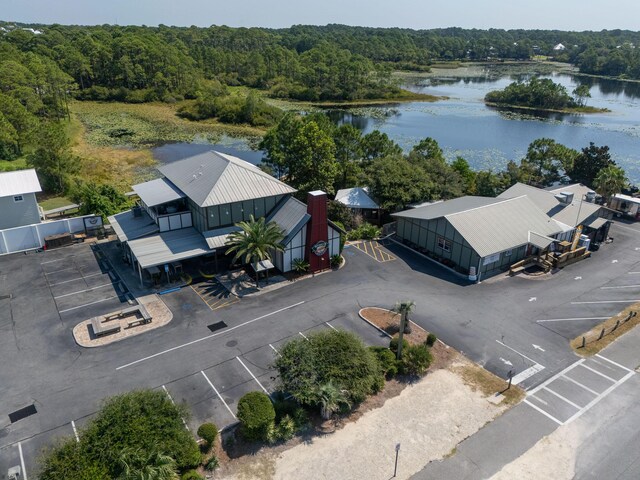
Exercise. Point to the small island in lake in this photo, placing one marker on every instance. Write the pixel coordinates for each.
(542, 94)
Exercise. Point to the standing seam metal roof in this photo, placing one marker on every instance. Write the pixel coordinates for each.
(169, 247)
(501, 226)
(19, 182)
(213, 178)
(290, 217)
(157, 191)
(356, 197)
(440, 209)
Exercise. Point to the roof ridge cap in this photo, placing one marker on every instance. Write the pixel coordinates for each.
(502, 200)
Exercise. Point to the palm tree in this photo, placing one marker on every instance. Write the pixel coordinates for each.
(330, 398)
(255, 241)
(155, 466)
(610, 180)
(403, 308)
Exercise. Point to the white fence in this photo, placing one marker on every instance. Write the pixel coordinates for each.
(30, 237)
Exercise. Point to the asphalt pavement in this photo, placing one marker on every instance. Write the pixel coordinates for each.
(518, 324)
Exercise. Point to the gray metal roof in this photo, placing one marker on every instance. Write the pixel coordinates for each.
(218, 238)
(291, 216)
(128, 227)
(157, 191)
(540, 241)
(169, 247)
(597, 223)
(213, 178)
(440, 209)
(19, 182)
(578, 189)
(356, 197)
(572, 214)
(502, 226)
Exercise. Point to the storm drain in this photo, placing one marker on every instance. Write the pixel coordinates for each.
(217, 326)
(22, 413)
(5, 297)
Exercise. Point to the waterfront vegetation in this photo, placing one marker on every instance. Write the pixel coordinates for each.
(542, 94)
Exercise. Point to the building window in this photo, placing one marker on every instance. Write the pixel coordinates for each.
(18, 198)
(444, 244)
(507, 253)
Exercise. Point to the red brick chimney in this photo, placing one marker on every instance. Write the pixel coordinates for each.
(317, 232)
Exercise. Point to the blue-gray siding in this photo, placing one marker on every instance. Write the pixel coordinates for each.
(17, 214)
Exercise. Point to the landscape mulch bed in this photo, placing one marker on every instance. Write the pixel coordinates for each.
(390, 322)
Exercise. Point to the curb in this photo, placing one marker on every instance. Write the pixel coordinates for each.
(373, 325)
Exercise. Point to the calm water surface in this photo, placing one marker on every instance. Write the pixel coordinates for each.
(486, 137)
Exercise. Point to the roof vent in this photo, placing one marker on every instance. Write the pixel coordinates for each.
(568, 196)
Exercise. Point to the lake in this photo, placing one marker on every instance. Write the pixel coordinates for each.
(487, 138)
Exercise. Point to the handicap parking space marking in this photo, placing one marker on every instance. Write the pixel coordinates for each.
(213, 294)
(374, 251)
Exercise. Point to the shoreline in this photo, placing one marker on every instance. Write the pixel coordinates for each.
(568, 111)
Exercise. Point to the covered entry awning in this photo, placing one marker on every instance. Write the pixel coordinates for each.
(540, 241)
(169, 247)
(597, 223)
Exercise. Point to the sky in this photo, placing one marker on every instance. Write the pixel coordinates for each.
(416, 14)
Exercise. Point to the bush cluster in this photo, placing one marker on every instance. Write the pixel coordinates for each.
(208, 432)
(256, 415)
(366, 231)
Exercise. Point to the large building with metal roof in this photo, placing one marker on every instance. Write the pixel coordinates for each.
(478, 236)
(192, 209)
(18, 198)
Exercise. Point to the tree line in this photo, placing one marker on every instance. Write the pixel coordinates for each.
(312, 153)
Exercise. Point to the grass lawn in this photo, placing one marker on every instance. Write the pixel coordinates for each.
(50, 202)
(9, 165)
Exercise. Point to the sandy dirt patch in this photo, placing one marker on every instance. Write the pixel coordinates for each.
(553, 458)
(428, 418)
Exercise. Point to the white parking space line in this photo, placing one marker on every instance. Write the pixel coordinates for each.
(598, 373)
(574, 319)
(514, 350)
(75, 431)
(584, 387)
(184, 422)
(621, 286)
(542, 412)
(252, 375)
(61, 270)
(207, 337)
(613, 363)
(53, 261)
(564, 399)
(76, 279)
(303, 336)
(600, 397)
(218, 393)
(549, 380)
(274, 349)
(24, 470)
(606, 301)
(87, 304)
(85, 290)
(329, 325)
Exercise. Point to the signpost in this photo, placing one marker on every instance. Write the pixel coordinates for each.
(510, 375)
(395, 468)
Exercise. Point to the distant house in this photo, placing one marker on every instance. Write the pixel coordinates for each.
(191, 211)
(478, 236)
(357, 199)
(18, 202)
(559, 47)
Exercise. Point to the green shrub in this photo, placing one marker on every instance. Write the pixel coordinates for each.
(431, 339)
(300, 265)
(415, 359)
(208, 432)
(283, 431)
(387, 360)
(366, 231)
(393, 345)
(336, 260)
(329, 356)
(256, 414)
(191, 475)
(212, 464)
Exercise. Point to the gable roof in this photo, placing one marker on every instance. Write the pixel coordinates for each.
(572, 214)
(356, 197)
(213, 178)
(19, 182)
(579, 190)
(503, 225)
(291, 216)
(440, 209)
